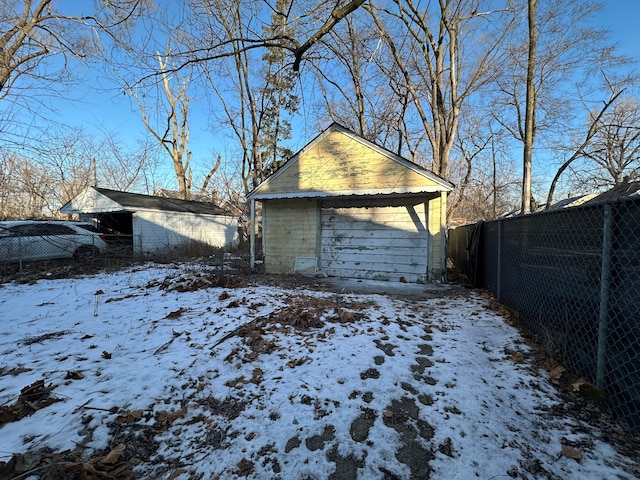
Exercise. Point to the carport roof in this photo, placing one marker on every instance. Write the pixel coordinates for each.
(104, 200)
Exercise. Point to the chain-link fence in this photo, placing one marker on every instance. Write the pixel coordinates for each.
(38, 245)
(573, 276)
(25, 255)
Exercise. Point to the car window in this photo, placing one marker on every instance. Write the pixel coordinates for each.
(21, 229)
(51, 229)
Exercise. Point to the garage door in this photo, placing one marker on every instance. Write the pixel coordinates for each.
(382, 242)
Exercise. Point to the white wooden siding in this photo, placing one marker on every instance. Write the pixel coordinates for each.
(375, 242)
(156, 230)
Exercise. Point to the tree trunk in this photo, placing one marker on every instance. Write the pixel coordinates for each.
(529, 120)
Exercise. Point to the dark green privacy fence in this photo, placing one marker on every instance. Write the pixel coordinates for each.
(573, 276)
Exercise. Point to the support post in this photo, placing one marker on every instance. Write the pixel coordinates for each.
(605, 287)
(443, 236)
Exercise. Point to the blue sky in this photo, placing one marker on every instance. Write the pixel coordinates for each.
(114, 111)
(621, 18)
(101, 107)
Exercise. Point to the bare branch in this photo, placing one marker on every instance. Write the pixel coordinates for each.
(593, 129)
(336, 15)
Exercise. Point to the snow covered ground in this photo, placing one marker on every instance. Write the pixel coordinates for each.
(156, 372)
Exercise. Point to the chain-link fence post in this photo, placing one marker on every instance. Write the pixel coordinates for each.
(605, 286)
(20, 250)
(499, 263)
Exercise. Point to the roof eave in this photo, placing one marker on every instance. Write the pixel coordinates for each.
(353, 193)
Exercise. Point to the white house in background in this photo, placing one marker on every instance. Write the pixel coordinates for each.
(155, 223)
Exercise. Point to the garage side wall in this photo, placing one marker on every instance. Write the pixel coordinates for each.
(155, 231)
(290, 230)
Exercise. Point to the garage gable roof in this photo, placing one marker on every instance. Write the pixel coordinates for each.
(103, 200)
(340, 162)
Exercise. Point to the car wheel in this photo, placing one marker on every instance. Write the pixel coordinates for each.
(85, 253)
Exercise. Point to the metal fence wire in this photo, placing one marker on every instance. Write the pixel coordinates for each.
(573, 276)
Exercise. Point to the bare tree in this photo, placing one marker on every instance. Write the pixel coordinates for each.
(255, 90)
(33, 32)
(482, 170)
(536, 94)
(68, 160)
(616, 146)
(354, 91)
(171, 130)
(41, 46)
(338, 13)
(27, 188)
(471, 148)
(433, 70)
(121, 166)
(22, 188)
(530, 105)
(595, 129)
(304, 25)
(612, 156)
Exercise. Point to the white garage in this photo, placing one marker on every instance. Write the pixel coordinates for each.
(155, 224)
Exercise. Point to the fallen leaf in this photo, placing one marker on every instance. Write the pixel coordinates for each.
(87, 467)
(237, 382)
(128, 417)
(517, 357)
(20, 463)
(571, 452)
(176, 474)
(176, 313)
(578, 383)
(113, 455)
(245, 467)
(166, 419)
(557, 372)
(296, 362)
(589, 390)
(257, 375)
